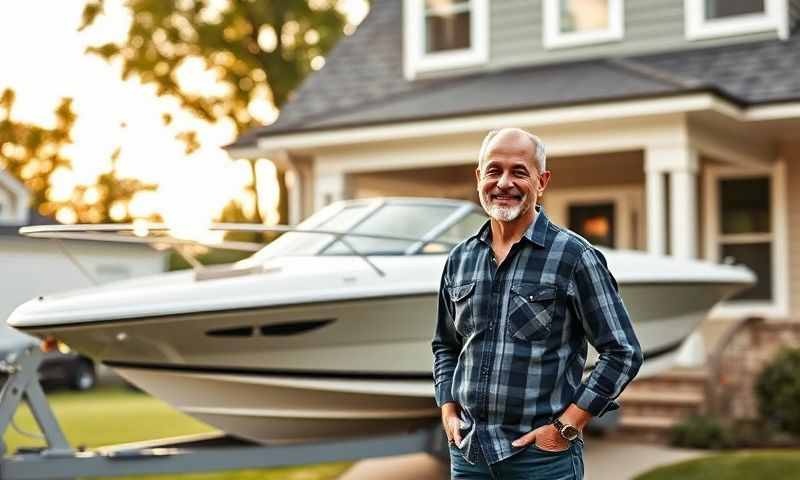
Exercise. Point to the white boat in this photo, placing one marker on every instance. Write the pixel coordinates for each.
(308, 340)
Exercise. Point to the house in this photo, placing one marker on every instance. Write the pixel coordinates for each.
(672, 126)
(30, 267)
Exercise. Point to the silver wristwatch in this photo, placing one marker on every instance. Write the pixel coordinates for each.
(570, 432)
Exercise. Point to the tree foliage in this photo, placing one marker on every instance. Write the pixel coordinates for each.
(259, 50)
(34, 155)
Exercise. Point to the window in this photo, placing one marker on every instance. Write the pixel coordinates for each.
(746, 225)
(719, 18)
(745, 235)
(447, 25)
(594, 223)
(445, 34)
(569, 23)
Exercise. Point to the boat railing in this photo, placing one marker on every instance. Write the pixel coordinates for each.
(142, 234)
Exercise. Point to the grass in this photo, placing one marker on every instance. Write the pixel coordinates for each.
(115, 414)
(741, 465)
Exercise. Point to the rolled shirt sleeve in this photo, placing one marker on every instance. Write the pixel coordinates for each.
(608, 327)
(446, 346)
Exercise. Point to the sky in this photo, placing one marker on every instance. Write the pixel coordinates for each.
(42, 58)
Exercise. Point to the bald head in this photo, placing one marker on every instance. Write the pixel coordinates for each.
(513, 141)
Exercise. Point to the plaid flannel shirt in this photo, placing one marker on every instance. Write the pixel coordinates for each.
(510, 342)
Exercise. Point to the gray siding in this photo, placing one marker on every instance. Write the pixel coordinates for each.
(516, 31)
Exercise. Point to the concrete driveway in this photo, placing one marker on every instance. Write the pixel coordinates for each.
(604, 460)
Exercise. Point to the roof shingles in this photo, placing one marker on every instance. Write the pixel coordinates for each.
(362, 82)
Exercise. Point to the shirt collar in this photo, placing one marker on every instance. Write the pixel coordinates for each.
(536, 232)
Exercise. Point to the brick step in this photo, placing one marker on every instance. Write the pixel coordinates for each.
(646, 429)
(671, 381)
(649, 423)
(660, 410)
(643, 396)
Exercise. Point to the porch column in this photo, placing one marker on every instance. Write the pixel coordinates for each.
(679, 162)
(655, 202)
(683, 207)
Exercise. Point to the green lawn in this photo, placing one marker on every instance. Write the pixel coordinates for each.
(110, 415)
(740, 465)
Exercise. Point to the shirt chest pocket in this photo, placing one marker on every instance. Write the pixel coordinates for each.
(461, 296)
(530, 311)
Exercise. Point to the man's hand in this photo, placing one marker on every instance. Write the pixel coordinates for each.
(546, 437)
(451, 421)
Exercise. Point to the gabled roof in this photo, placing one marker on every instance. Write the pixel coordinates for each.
(362, 82)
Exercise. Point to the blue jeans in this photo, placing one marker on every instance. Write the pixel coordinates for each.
(533, 463)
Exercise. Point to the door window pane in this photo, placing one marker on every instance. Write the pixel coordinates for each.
(745, 205)
(732, 8)
(447, 25)
(594, 223)
(583, 15)
(758, 257)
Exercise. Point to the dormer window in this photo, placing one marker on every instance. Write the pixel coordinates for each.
(570, 23)
(445, 34)
(720, 18)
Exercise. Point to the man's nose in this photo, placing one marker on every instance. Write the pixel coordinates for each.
(504, 181)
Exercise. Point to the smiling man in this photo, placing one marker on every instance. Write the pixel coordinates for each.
(518, 302)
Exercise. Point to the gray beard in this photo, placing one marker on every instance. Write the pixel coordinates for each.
(503, 214)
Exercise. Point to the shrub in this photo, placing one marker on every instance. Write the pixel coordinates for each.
(777, 389)
(701, 431)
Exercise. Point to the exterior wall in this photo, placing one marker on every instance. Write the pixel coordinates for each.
(744, 359)
(33, 267)
(516, 28)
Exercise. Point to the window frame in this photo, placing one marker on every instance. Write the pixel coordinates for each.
(778, 307)
(553, 38)
(418, 61)
(774, 17)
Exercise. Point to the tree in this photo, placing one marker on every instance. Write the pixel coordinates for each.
(34, 155)
(259, 50)
(31, 153)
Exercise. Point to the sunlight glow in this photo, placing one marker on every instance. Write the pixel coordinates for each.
(111, 113)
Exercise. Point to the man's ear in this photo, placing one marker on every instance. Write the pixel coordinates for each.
(544, 179)
(478, 174)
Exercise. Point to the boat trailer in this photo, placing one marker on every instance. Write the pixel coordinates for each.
(20, 356)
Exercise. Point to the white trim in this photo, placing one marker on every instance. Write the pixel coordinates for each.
(604, 111)
(480, 123)
(627, 200)
(698, 27)
(779, 306)
(554, 38)
(416, 60)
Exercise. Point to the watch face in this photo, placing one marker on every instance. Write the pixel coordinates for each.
(569, 432)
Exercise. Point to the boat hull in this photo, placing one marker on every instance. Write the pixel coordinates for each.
(337, 368)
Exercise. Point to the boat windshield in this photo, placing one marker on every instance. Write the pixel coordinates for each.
(430, 222)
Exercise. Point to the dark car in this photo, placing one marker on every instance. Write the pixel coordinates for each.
(64, 367)
(60, 366)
